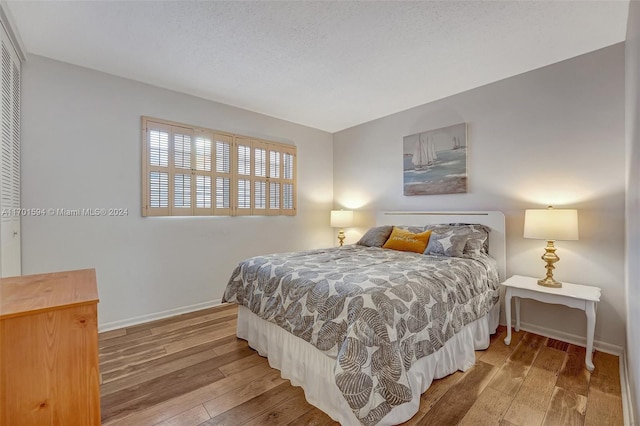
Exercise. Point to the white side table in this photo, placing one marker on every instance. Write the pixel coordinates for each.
(572, 295)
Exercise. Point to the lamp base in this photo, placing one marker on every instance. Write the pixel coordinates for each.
(550, 257)
(341, 237)
(550, 282)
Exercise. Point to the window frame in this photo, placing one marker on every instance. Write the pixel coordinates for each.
(285, 206)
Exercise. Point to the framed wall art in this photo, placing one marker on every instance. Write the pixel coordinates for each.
(435, 161)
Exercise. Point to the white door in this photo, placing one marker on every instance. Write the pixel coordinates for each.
(9, 159)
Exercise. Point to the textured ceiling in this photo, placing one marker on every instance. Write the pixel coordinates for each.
(329, 64)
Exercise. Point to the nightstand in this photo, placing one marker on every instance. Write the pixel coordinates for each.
(572, 295)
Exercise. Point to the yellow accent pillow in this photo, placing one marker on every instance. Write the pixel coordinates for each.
(404, 240)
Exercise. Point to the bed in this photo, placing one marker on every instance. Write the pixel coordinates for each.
(364, 330)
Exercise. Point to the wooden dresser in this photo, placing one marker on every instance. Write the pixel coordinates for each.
(49, 349)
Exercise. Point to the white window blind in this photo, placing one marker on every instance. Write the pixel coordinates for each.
(182, 191)
(159, 189)
(194, 171)
(260, 195)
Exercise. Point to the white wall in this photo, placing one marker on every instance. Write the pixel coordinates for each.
(632, 62)
(551, 136)
(82, 148)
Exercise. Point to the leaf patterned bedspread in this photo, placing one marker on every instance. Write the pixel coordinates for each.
(376, 311)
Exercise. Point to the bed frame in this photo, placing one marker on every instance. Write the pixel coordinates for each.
(493, 219)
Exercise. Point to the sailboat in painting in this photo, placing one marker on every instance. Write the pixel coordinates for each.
(456, 143)
(424, 154)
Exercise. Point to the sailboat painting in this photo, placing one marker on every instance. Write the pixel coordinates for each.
(435, 161)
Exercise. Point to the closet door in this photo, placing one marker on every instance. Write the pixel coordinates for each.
(9, 159)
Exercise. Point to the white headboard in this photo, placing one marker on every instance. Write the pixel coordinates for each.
(493, 219)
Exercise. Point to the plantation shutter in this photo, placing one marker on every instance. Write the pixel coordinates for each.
(281, 199)
(274, 186)
(260, 179)
(243, 178)
(156, 170)
(180, 168)
(289, 201)
(222, 174)
(193, 171)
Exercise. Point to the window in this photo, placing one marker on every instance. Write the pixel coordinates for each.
(189, 171)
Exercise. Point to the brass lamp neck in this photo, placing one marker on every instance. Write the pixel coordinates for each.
(341, 237)
(550, 257)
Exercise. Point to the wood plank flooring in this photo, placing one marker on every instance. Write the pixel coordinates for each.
(191, 370)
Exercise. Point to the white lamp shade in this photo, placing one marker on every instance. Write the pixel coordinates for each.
(551, 224)
(341, 218)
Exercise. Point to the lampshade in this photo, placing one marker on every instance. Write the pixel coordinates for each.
(341, 218)
(551, 224)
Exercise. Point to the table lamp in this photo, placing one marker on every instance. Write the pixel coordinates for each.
(341, 219)
(552, 225)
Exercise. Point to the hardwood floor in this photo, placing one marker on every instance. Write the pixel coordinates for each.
(192, 370)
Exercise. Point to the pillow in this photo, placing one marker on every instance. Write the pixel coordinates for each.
(478, 240)
(475, 235)
(412, 229)
(376, 237)
(404, 240)
(478, 237)
(446, 242)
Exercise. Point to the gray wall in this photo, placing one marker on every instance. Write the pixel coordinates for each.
(82, 149)
(632, 61)
(554, 135)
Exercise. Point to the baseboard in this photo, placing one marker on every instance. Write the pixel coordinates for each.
(627, 399)
(156, 316)
(571, 338)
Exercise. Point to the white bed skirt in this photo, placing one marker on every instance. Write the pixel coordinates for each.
(307, 367)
